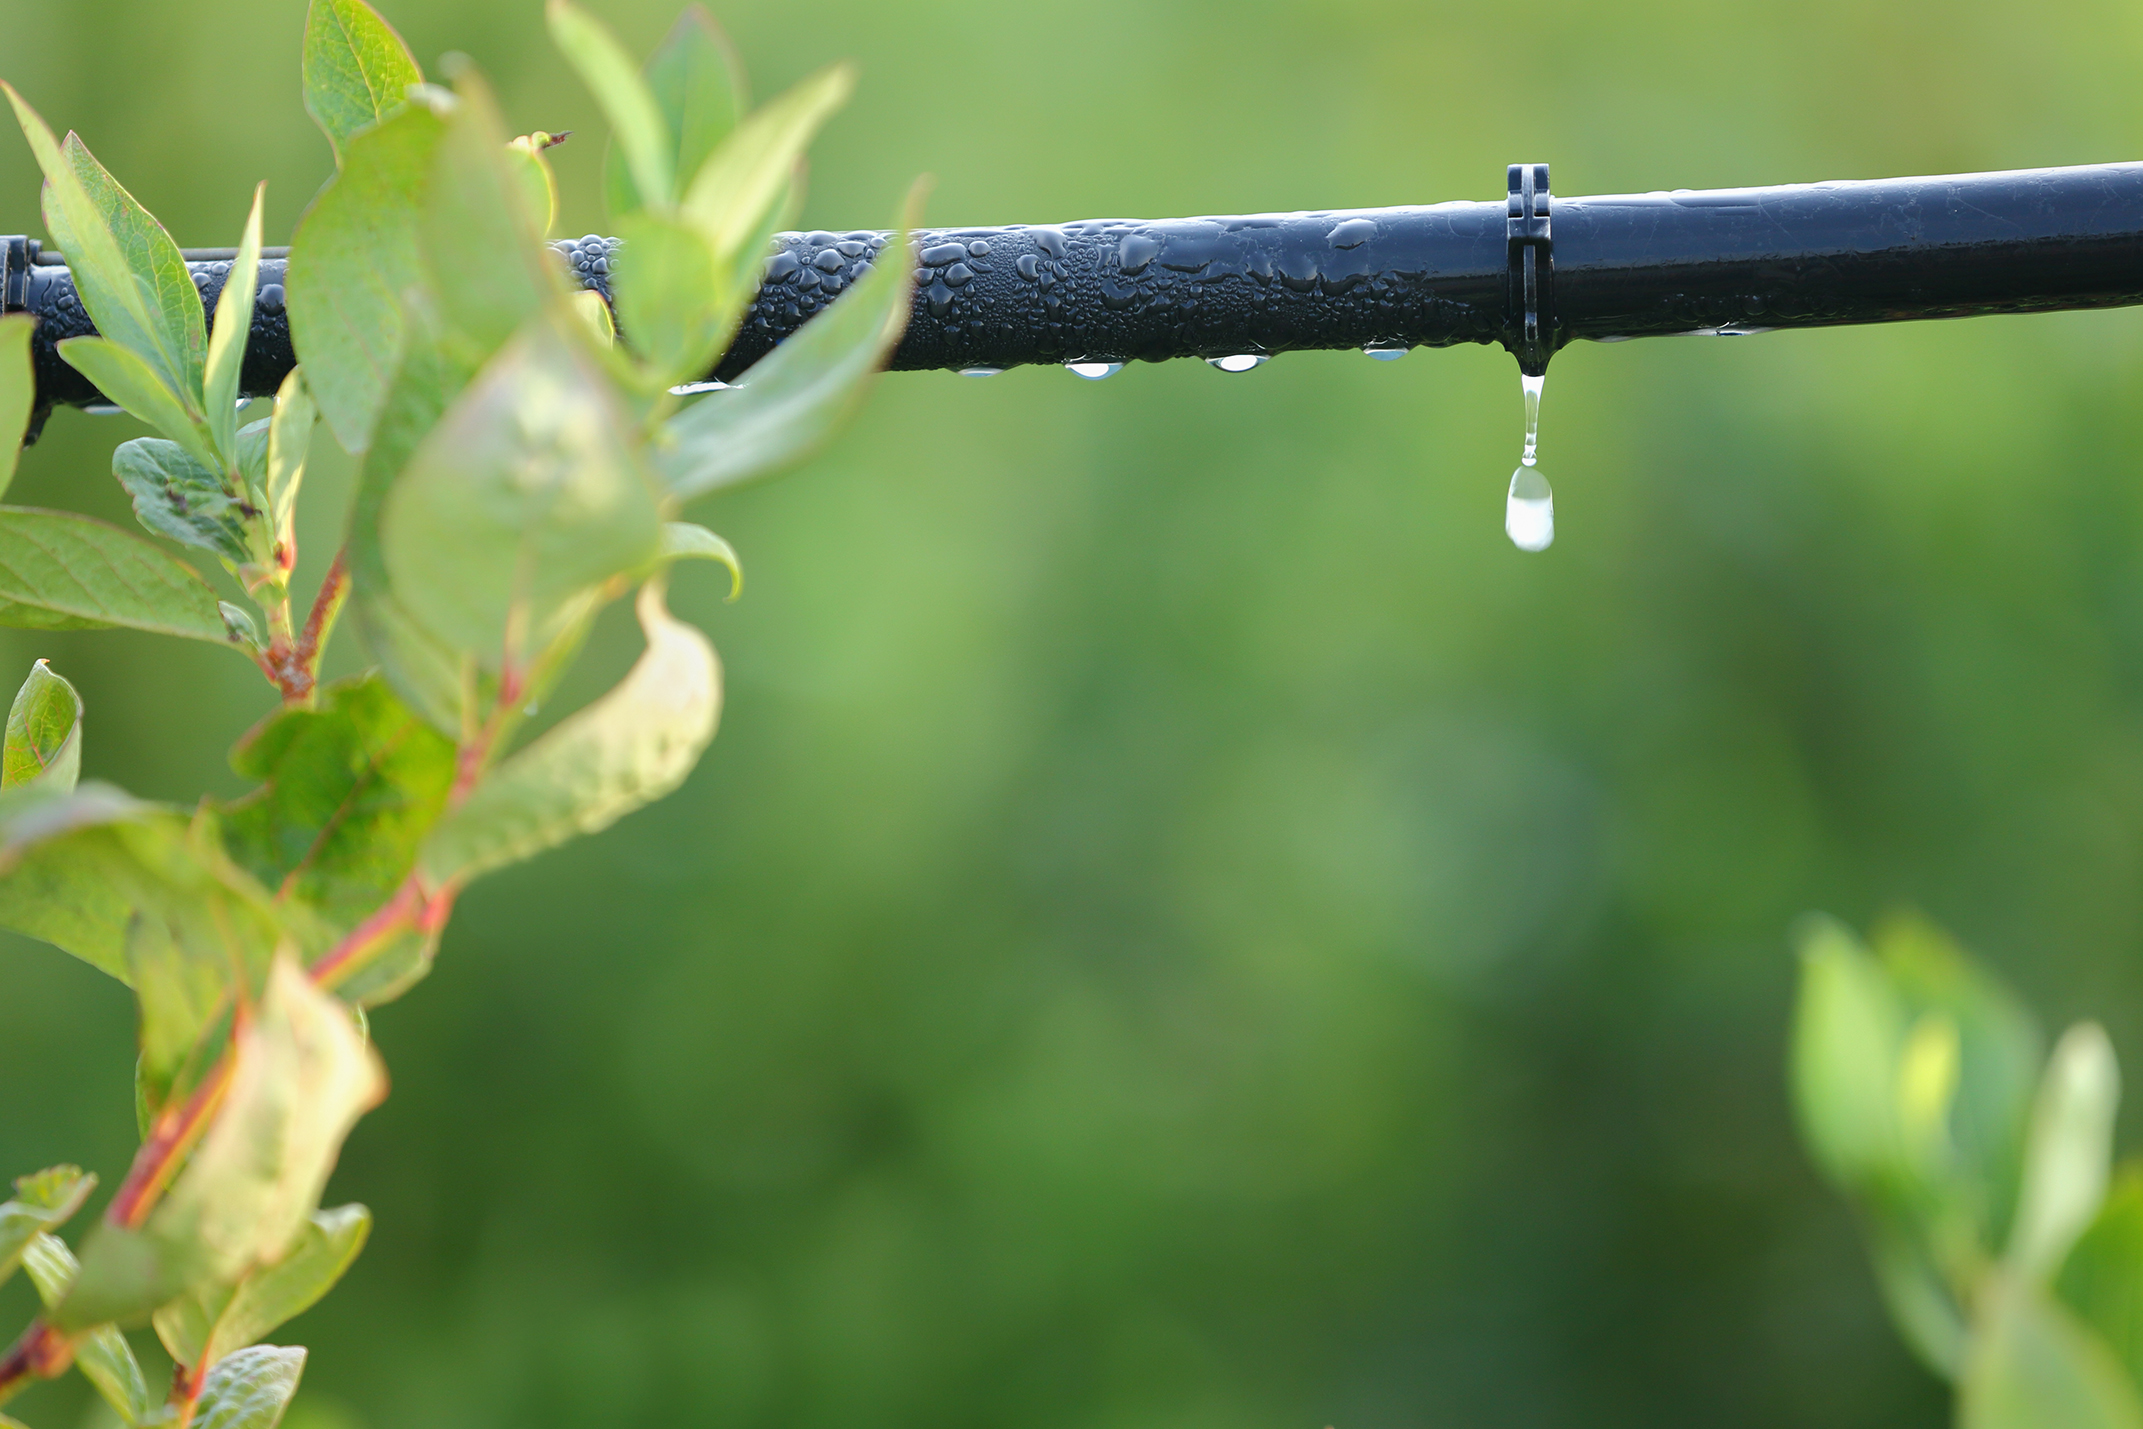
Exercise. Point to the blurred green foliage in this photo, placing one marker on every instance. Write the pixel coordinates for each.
(1182, 925)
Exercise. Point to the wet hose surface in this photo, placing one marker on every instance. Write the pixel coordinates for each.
(1633, 265)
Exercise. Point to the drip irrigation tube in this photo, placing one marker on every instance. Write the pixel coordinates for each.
(1530, 272)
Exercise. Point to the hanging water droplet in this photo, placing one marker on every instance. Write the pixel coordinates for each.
(980, 371)
(1093, 371)
(1533, 387)
(1239, 362)
(1387, 354)
(1529, 510)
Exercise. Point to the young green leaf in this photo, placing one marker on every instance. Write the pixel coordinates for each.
(796, 396)
(217, 1320)
(733, 191)
(127, 270)
(348, 791)
(177, 497)
(636, 123)
(127, 380)
(672, 299)
(353, 258)
(2069, 1155)
(2102, 1279)
(1847, 1032)
(489, 271)
(227, 339)
(426, 673)
(629, 748)
(44, 733)
(290, 434)
(699, 88)
(2033, 1366)
(683, 541)
(18, 390)
(60, 571)
(357, 70)
(41, 1203)
(249, 1390)
(528, 160)
(525, 496)
(102, 1354)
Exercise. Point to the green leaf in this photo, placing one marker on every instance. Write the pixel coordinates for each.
(1848, 1029)
(290, 434)
(53, 879)
(18, 390)
(102, 1354)
(2102, 1279)
(301, 1077)
(525, 497)
(489, 271)
(424, 672)
(60, 571)
(249, 1390)
(2000, 1053)
(227, 339)
(353, 257)
(672, 299)
(636, 123)
(683, 541)
(796, 396)
(41, 1203)
(129, 381)
(2069, 1154)
(128, 272)
(629, 748)
(44, 733)
(2033, 1366)
(1920, 1302)
(215, 1321)
(699, 88)
(177, 497)
(357, 70)
(348, 791)
(746, 177)
(528, 160)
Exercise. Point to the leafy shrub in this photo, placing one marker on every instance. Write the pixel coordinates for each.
(2009, 1254)
(523, 458)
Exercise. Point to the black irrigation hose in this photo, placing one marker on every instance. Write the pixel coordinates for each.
(1631, 265)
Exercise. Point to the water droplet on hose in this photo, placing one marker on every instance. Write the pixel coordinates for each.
(980, 371)
(1240, 362)
(1387, 354)
(1093, 371)
(1529, 509)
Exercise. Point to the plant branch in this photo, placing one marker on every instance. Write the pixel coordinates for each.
(174, 1134)
(41, 1353)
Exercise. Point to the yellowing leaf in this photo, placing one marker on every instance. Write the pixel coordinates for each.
(628, 749)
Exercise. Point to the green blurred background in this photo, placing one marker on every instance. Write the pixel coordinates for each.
(1183, 926)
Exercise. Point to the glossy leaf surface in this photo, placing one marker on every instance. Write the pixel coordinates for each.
(60, 571)
(250, 1390)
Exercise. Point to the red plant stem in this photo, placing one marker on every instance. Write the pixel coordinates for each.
(41, 1353)
(334, 590)
(169, 1140)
